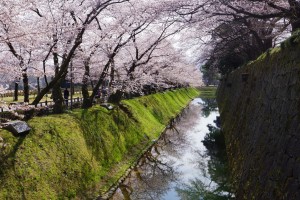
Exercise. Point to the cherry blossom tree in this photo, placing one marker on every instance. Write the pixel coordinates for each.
(81, 16)
(99, 39)
(266, 9)
(16, 40)
(262, 24)
(115, 29)
(139, 36)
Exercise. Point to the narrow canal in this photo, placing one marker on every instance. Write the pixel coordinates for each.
(180, 166)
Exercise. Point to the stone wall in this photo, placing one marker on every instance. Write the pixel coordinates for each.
(260, 115)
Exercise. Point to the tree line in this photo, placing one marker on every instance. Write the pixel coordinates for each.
(134, 43)
(240, 30)
(125, 41)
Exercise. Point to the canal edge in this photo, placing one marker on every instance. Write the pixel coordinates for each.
(110, 192)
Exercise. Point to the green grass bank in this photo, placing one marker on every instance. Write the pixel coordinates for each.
(81, 154)
(208, 92)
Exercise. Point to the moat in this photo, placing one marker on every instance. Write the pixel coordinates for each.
(179, 166)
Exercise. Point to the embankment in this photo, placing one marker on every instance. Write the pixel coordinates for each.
(260, 113)
(82, 153)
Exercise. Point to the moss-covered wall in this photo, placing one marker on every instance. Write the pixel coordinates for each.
(82, 153)
(260, 119)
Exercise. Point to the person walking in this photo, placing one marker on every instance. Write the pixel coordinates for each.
(66, 96)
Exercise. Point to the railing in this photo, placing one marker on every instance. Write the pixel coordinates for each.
(51, 103)
(15, 105)
(11, 106)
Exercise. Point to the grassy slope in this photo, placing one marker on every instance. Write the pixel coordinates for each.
(208, 92)
(81, 154)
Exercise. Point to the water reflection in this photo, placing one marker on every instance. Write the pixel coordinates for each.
(179, 165)
(209, 105)
(217, 170)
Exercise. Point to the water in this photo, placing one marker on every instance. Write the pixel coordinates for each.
(178, 166)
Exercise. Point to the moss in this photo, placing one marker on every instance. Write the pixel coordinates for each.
(277, 54)
(262, 56)
(272, 72)
(82, 153)
(292, 41)
(275, 50)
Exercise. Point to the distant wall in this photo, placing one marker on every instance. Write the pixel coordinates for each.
(260, 109)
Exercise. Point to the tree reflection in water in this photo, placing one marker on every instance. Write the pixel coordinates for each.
(175, 167)
(151, 178)
(209, 105)
(156, 170)
(217, 171)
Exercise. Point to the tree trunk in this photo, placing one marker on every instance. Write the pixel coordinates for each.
(62, 70)
(26, 87)
(84, 88)
(295, 14)
(72, 88)
(295, 25)
(16, 91)
(112, 77)
(100, 81)
(102, 77)
(87, 103)
(56, 91)
(104, 73)
(92, 84)
(267, 44)
(38, 85)
(131, 70)
(57, 98)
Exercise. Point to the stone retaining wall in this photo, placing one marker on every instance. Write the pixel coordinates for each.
(260, 109)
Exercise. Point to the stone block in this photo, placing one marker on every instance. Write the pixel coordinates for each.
(18, 128)
(288, 170)
(293, 79)
(292, 188)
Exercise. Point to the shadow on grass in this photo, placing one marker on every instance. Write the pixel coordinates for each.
(8, 162)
